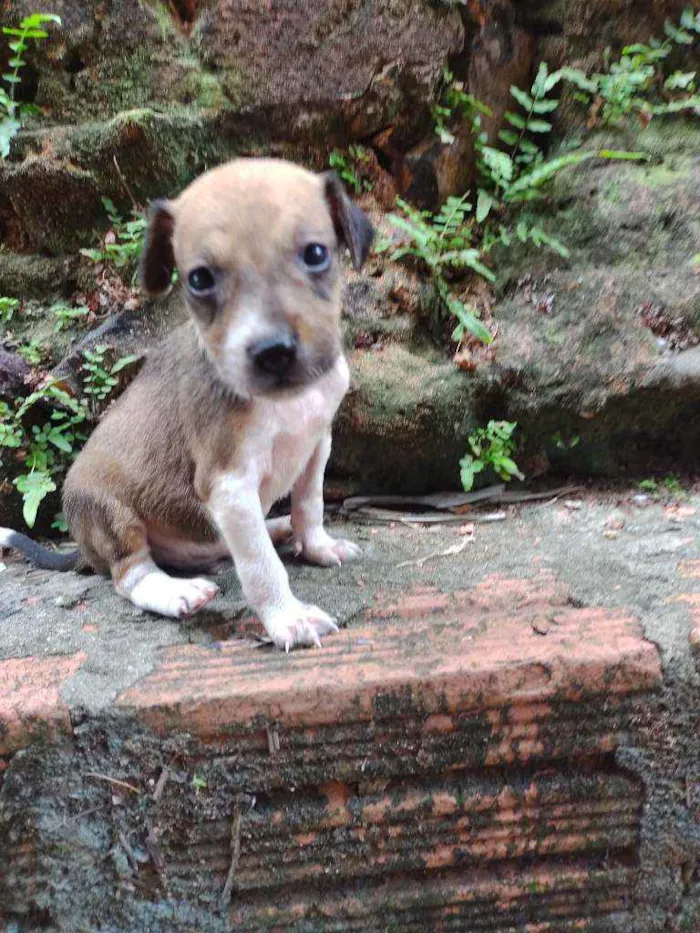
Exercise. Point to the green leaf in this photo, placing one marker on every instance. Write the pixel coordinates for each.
(9, 128)
(95, 254)
(510, 467)
(689, 20)
(36, 19)
(579, 79)
(515, 120)
(550, 241)
(34, 487)
(466, 473)
(522, 97)
(444, 135)
(122, 362)
(11, 79)
(546, 105)
(58, 440)
(528, 147)
(484, 203)
(469, 319)
(508, 137)
(679, 80)
(539, 174)
(471, 259)
(678, 35)
(500, 163)
(539, 126)
(540, 86)
(675, 106)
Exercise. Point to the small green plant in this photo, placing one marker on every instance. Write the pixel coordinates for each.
(123, 244)
(673, 485)
(444, 243)
(8, 306)
(636, 83)
(198, 782)
(492, 446)
(33, 352)
(43, 432)
(59, 523)
(99, 381)
(348, 166)
(565, 443)
(462, 234)
(30, 28)
(649, 485)
(454, 104)
(511, 179)
(65, 315)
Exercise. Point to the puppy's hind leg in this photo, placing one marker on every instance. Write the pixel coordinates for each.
(280, 529)
(148, 587)
(113, 537)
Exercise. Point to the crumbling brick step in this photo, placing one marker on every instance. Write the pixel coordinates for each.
(344, 833)
(447, 765)
(554, 899)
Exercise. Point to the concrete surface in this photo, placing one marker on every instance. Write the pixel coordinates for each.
(504, 737)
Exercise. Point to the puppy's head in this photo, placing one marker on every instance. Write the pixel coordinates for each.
(256, 245)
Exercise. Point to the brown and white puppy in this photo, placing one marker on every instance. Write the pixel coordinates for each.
(234, 410)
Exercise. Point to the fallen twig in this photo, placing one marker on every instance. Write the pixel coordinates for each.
(273, 740)
(235, 846)
(436, 500)
(160, 784)
(393, 508)
(154, 851)
(449, 552)
(111, 780)
(387, 516)
(131, 858)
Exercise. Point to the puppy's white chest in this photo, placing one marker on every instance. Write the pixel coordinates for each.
(287, 431)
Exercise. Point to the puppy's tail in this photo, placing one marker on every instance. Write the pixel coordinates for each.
(36, 554)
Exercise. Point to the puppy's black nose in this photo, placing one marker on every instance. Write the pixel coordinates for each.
(274, 354)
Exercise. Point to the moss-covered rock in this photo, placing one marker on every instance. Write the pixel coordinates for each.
(405, 422)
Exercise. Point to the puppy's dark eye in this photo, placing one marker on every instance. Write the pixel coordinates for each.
(201, 280)
(316, 257)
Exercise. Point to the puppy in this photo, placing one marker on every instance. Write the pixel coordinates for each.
(234, 410)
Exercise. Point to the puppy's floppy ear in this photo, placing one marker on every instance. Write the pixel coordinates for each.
(351, 224)
(158, 260)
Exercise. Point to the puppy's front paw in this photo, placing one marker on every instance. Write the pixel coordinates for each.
(326, 551)
(299, 626)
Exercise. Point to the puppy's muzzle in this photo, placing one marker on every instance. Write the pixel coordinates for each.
(274, 355)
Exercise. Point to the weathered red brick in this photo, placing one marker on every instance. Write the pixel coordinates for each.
(689, 569)
(30, 698)
(432, 653)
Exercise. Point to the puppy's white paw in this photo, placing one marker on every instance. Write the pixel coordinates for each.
(326, 551)
(171, 596)
(299, 626)
(194, 595)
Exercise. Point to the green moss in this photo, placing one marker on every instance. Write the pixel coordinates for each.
(612, 192)
(164, 18)
(672, 171)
